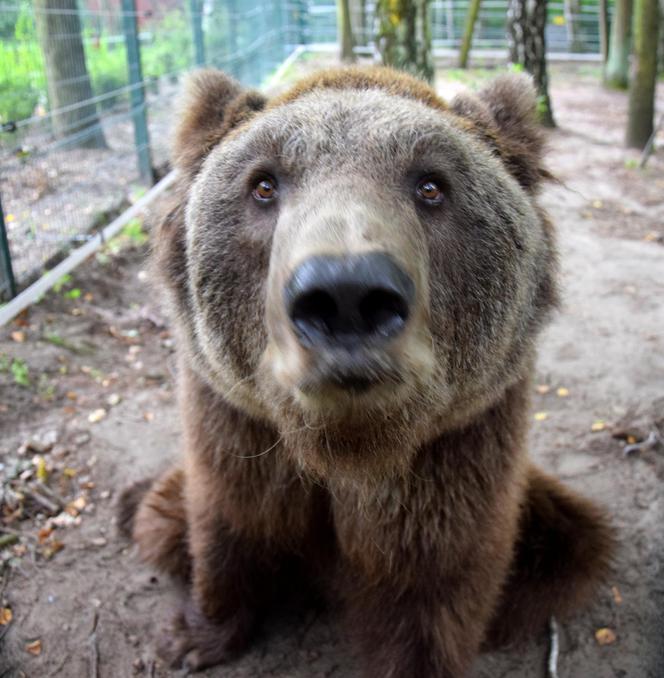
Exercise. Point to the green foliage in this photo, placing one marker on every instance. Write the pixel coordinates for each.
(65, 282)
(21, 68)
(20, 372)
(134, 232)
(73, 293)
(165, 50)
(61, 283)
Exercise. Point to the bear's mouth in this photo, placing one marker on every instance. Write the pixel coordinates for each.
(349, 371)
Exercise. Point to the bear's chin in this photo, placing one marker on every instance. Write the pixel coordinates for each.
(361, 450)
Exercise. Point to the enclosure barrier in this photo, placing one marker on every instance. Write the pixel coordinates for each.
(87, 91)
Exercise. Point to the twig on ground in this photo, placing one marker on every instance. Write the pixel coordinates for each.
(43, 501)
(8, 540)
(17, 533)
(552, 663)
(94, 651)
(649, 443)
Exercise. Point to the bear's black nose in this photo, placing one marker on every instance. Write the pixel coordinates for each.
(350, 300)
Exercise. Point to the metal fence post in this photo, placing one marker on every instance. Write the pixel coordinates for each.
(302, 22)
(7, 281)
(137, 92)
(196, 11)
(234, 65)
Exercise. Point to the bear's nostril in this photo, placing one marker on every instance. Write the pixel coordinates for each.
(346, 301)
(383, 311)
(314, 311)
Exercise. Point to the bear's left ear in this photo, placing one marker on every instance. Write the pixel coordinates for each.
(503, 114)
(214, 104)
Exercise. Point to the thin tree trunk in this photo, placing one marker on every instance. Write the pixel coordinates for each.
(471, 20)
(404, 36)
(345, 31)
(363, 23)
(526, 22)
(616, 73)
(572, 10)
(604, 30)
(643, 79)
(68, 82)
(449, 20)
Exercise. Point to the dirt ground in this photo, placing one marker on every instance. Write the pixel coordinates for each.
(97, 411)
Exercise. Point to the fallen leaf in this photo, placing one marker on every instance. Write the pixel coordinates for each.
(71, 395)
(97, 415)
(148, 416)
(5, 616)
(98, 541)
(88, 296)
(605, 636)
(630, 434)
(52, 548)
(35, 647)
(114, 399)
(541, 416)
(651, 236)
(562, 392)
(598, 204)
(18, 336)
(44, 534)
(69, 472)
(42, 473)
(543, 389)
(598, 426)
(617, 597)
(73, 508)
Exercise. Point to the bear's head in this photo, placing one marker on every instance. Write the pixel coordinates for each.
(355, 261)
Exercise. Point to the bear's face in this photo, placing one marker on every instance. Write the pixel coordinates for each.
(364, 271)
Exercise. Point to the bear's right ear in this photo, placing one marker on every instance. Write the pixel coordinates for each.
(214, 104)
(503, 115)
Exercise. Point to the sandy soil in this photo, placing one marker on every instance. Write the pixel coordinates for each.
(80, 603)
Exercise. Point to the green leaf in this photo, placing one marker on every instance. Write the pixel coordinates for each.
(21, 372)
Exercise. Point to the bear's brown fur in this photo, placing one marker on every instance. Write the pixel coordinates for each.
(414, 496)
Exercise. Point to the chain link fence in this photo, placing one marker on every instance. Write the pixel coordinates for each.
(87, 90)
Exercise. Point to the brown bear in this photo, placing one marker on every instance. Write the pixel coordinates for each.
(357, 273)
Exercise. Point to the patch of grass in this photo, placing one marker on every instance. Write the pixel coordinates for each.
(20, 372)
(74, 293)
(62, 283)
(134, 232)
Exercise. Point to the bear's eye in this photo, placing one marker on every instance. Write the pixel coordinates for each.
(430, 191)
(265, 189)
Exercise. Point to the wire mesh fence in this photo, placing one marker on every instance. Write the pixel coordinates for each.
(86, 102)
(87, 90)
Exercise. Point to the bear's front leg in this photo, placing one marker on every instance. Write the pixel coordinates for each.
(424, 560)
(246, 510)
(424, 632)
(230, 578)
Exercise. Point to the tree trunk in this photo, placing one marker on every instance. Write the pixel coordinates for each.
(643, 79)
(404, 36)
(572, 10)
(526, 22)
(616, 73)
(471, 19)
(604, 30)
(345, 30)
(59, 30)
